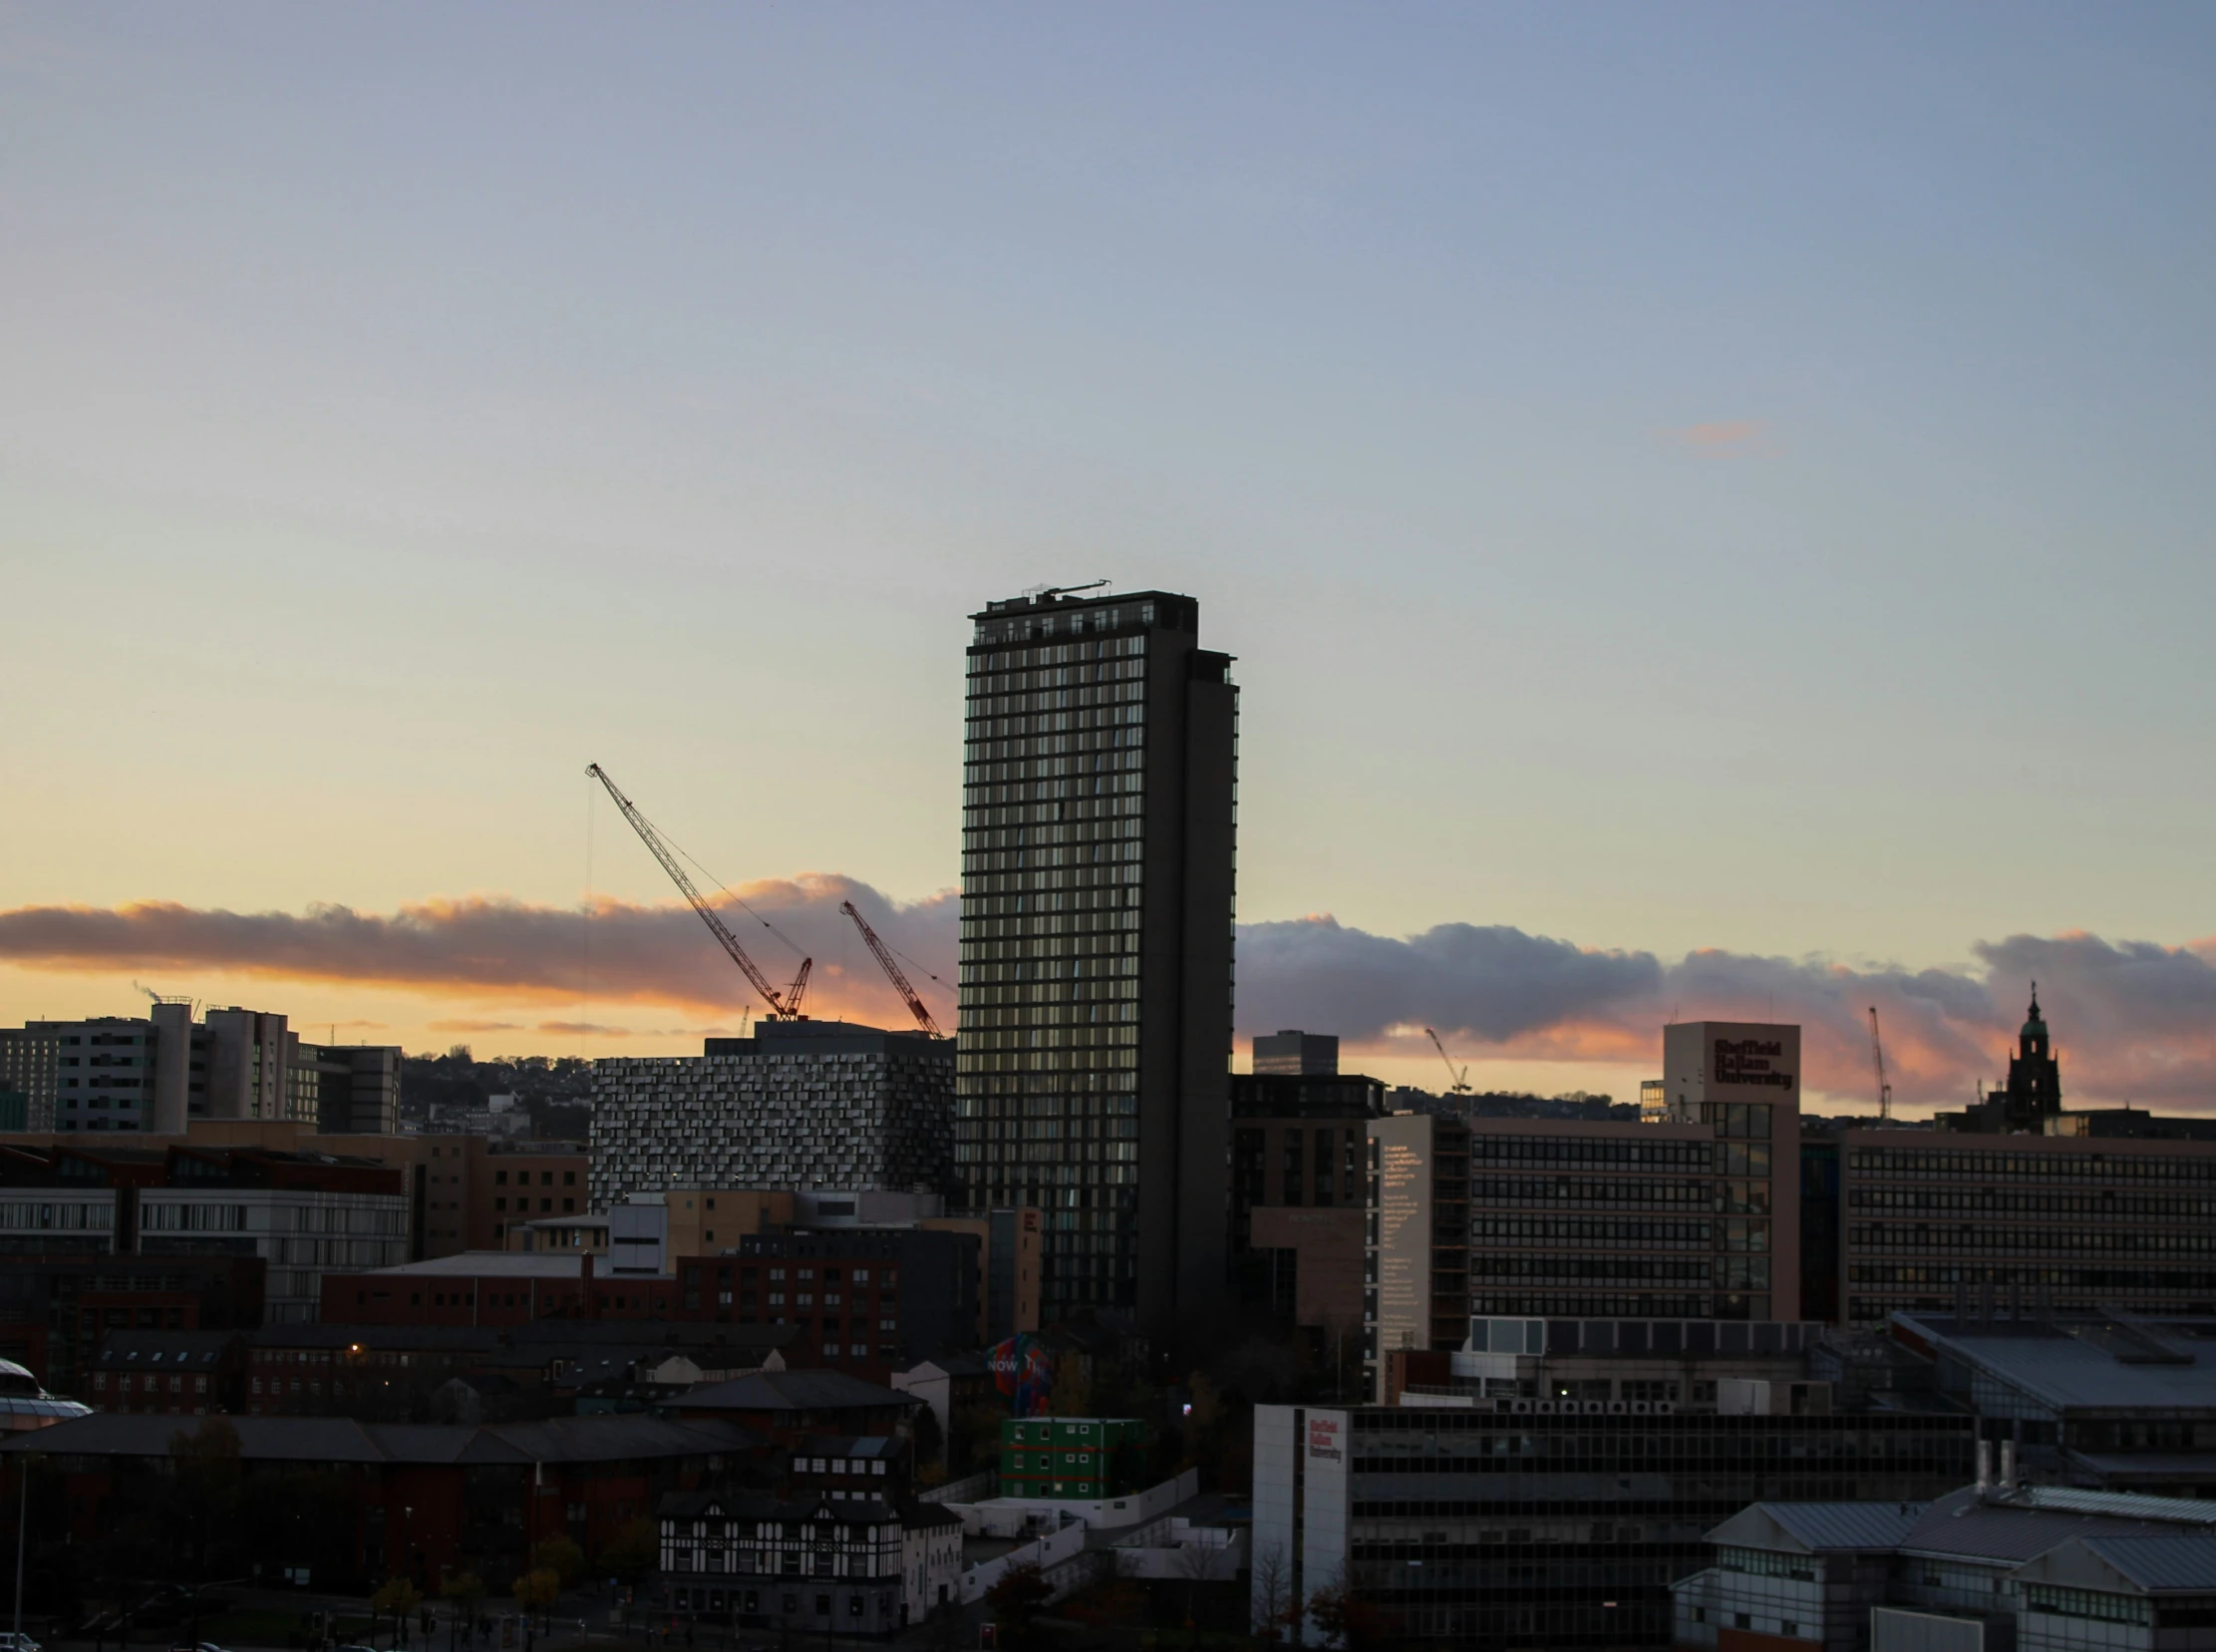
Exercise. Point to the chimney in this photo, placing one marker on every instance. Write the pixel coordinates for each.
(1985, 1466)
(2008, 1465)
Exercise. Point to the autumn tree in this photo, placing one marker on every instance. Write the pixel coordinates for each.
(1016, 1601)
(397, 1595)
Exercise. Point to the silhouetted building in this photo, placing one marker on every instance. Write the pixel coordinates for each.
(1300, 1171)
(1099, 823)
(2032, 1096)
(1296, 1054)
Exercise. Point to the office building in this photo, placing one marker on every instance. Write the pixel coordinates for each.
(1295, 1054)
(867, 1302)
(1300, 1171)
(1415, 1293)
(1931, 1220)
(800, 1104)
(162, 1072)
(1496, 1523)
(1097, 837)
(304, 1214)
(1694, 1218)
(1992, 1565)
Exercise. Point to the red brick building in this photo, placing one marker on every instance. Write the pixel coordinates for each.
(418, 1501)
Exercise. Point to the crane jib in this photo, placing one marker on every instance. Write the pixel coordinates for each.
(784, 1006)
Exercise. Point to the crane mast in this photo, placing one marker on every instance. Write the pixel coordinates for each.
(1878, 1059)
(900, 981)
(784, 1006)
(1461, 1075)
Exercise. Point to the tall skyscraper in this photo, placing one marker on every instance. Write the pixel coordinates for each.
(1099, 825)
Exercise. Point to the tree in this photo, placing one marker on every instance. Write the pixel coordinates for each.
(1016, 1600)
(397, 1595)
(976, 1434)
(536, 1590)
(207, 1480)
(634, 1552)
(1346, 1619)
(1071, 1395)
(559, 1554)
(1272, 1608)
(464, 1589)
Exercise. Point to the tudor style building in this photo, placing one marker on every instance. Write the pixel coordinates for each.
(819, 1565)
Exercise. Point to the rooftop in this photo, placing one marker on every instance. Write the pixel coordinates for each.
(601, 1439)
(2114, 1363)
(796, 1391)
(512, 1264)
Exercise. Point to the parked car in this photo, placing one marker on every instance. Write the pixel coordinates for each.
(10, 1641)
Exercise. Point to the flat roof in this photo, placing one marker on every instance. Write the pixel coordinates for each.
(2070, 1366)
(512, 1264)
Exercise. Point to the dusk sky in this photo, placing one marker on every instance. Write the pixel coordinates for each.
(1713, 505)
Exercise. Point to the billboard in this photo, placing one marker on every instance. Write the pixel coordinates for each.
(1022, 1371)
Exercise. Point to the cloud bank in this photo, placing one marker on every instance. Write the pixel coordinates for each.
(2133, 1019)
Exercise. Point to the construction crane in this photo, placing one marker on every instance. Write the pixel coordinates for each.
(1878, 1059)
(900, 981)
(783, 1006)
(1461, 1075)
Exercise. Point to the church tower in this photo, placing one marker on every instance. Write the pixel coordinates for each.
(2035, 1091)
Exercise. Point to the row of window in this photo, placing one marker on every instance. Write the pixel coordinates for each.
(2174, 1164)
(2040, 1241)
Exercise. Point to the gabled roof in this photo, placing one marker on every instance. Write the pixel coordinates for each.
(2178, 1564)
(849, 1446)
(2172, 1563)
(1819, 1527)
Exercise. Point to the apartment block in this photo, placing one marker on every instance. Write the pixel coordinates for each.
(1098, 826)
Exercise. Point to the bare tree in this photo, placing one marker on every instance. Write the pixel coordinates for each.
(1270, 1601)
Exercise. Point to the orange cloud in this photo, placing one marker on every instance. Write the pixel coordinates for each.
(1728, 435)
(2134, 1020)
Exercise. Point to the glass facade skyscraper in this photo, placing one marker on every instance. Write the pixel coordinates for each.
(1098, 843)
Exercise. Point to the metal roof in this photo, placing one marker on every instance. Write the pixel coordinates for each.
(2174, 1565)
(2140, 1506)
(513, 1264)
(1846, 1526)
(2065, 1372)
(1963, 1524)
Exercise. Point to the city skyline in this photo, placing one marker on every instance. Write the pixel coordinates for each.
(1720, 493)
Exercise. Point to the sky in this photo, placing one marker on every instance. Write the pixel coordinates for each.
(1711, 504)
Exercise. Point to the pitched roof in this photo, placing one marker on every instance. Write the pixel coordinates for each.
(2176, 1565)
(1961, 1524)
(793, 1391)
(599, 1439)
(172, 1350)
(758, 1505)
(1846, 1526)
